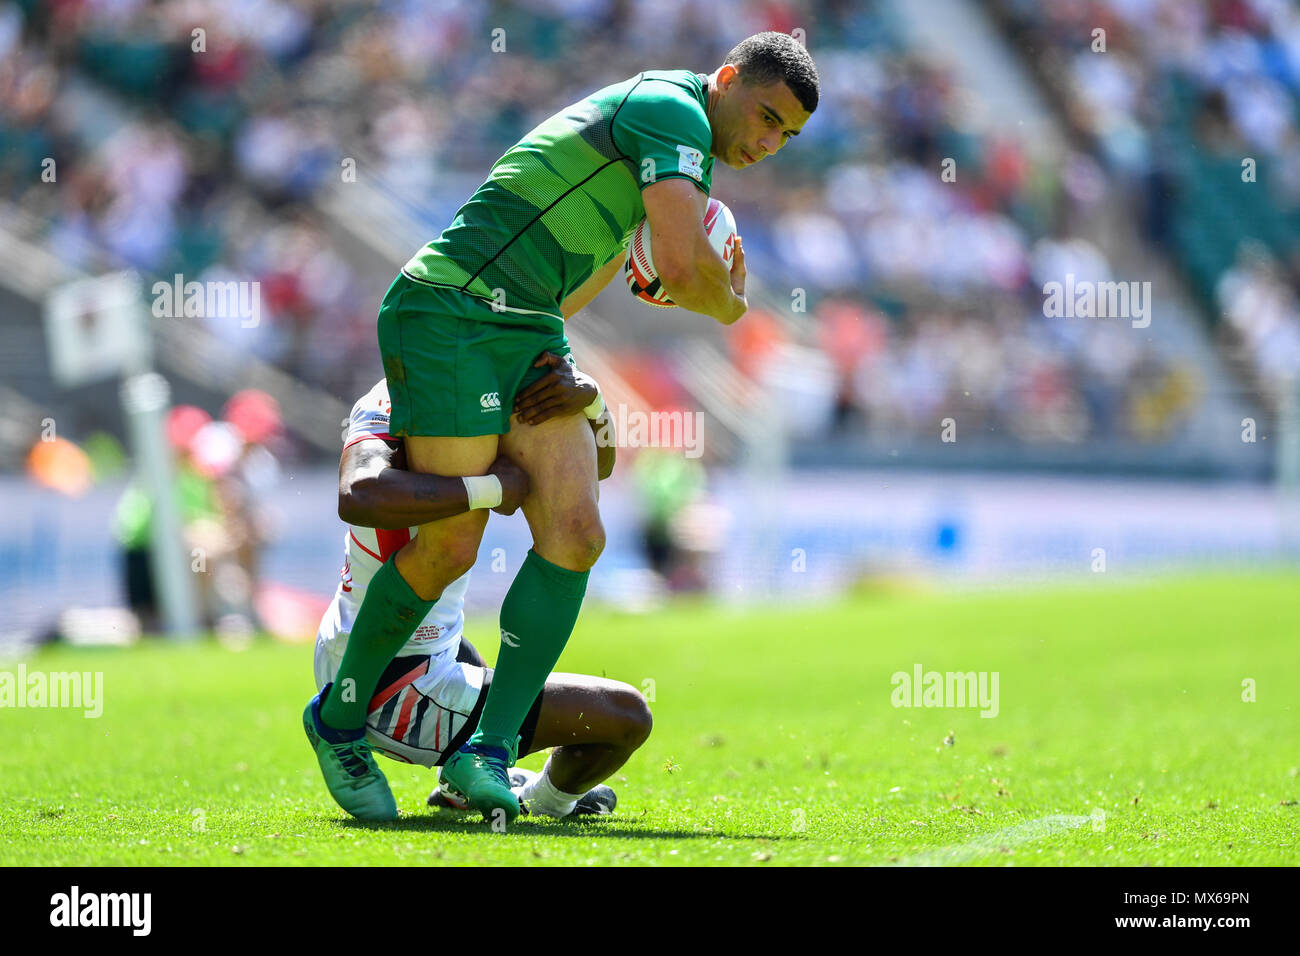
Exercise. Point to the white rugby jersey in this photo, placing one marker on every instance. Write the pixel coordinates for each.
(365, 549)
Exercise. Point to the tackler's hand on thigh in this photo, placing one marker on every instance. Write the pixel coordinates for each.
(565, 390)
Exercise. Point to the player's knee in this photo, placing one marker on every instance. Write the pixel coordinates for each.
(460, 558)
(449, 559)
(578, 540)
(590, 539)
(634, 721)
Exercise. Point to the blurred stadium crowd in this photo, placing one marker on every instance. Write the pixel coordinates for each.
(1185, 93)
(923, 295)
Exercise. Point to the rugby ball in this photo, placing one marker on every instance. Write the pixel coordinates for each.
(639, 270)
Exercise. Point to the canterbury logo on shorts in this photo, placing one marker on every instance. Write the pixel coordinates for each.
(490, 400)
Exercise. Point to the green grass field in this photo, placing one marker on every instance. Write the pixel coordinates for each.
(775, 742)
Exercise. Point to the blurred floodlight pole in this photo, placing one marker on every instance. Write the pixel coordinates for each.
(146, 397)
(99, 328)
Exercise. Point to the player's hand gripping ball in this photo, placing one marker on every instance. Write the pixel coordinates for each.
(639, 270)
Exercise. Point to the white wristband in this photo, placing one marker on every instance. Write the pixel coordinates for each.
(484, 491)
(596, 408)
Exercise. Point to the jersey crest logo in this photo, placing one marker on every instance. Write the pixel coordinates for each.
(490, 400)
(690, 162)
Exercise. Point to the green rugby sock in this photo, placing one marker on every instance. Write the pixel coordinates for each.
(538, 614)
(386, 620)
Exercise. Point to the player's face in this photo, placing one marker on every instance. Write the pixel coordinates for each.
(756, 122)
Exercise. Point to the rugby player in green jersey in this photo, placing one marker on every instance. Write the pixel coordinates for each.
(458, 331)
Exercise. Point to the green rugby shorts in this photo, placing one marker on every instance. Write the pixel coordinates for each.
(451, 369)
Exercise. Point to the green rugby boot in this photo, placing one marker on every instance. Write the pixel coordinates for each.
(478, 772)
(354, 781)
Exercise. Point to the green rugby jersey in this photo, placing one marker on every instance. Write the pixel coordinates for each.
(565, 199)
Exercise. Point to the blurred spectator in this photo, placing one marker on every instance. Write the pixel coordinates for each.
(249, 482)
(1185, 95)
(669, 485)
(61, 465)
(1264, 310)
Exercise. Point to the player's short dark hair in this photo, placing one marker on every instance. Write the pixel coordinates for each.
(767, 57)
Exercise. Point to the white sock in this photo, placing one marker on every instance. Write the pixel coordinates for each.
(545, 798)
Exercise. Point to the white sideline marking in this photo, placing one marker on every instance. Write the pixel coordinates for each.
(992, 842)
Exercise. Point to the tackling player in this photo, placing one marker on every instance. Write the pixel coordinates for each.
(429, 699)
(536, 242)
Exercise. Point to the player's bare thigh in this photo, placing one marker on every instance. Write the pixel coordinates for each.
(582, 709)
(562, 511)
(444, 550)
